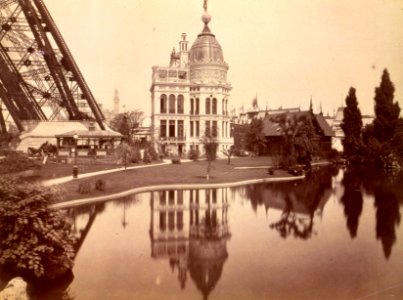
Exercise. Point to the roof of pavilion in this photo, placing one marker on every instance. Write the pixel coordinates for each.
(91, 134)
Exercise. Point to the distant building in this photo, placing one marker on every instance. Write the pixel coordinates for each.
(246, 117)
(116, 102)
(190, 96)
(275, 135)
(335, 123)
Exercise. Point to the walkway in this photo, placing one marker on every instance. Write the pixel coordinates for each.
(65, 179)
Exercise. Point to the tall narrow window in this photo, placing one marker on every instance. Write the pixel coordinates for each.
(214, 129)
(180, 128)
(192, 106)
(171, 197)
(214, 106)
(222, 133)
(207, 128)
(180, 104)
(171, 128)
(223, 106)
(207, 106)
(163, 104)
(191, 129)
(197, 109)
(197, 128)
(163, 128)
(171, 104)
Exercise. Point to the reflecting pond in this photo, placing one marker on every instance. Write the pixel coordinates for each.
(334, 235)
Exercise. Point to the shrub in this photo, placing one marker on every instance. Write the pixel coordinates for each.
(16, 162)
(193, 154)
(34, 239)
(152, 152)
(100, 185)
(84, 187)
(147, 157)
(176, 160)
(135, 155)
(288, 161)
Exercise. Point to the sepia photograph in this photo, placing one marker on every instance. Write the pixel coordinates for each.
(201, 149)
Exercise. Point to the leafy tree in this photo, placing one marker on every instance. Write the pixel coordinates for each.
(126, 122)
(34, 239)
(386, 111)
(351, 125)
(256, 138)
(228, 152)
(124, 153)
(298, 133)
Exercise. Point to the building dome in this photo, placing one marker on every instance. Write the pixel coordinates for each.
(206, 48)
(206, 60)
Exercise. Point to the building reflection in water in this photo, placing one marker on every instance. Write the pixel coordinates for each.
(189, 228)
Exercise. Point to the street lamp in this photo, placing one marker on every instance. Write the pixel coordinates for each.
(75, 168)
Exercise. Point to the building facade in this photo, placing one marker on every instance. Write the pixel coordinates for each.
(190, 96)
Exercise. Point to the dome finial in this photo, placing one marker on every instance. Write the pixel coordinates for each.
(206, 17)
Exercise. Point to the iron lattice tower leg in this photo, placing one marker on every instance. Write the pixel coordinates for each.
(37, 68)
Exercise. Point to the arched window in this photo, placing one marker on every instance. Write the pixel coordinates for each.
(207, 106)
(171, 104)
(214, 106)
(180, 104)
(163, 104)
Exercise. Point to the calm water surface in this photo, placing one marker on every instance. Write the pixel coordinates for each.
(335, 235)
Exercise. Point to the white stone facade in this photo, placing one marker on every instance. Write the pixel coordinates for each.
(190, 97)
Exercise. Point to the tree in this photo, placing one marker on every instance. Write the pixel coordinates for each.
(298, 133)
(383, 137)
(386, 112)
(127, 122)
(351, 125)
(228, 152)
(256, 138)
(34, 238)
(210, 147)
(124, 153)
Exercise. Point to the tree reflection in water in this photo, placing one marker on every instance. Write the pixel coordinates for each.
(299, 201)
(387, 189)
(352, 200)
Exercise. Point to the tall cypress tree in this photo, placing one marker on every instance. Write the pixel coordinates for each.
(351, 125)
(386, 112)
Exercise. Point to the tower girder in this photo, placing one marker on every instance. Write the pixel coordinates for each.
(41, 70)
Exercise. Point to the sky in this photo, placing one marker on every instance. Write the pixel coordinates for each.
(285, 52)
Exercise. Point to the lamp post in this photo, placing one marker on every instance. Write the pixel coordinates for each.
(75, 168)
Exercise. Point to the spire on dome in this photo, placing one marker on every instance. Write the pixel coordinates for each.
(206, 18)
(205, 6)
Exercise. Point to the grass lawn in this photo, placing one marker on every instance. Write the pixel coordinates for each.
(185, 173)
(55, 170)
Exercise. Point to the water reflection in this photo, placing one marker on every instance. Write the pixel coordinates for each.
(298, 201)
(352, 200)
(190, 230)
(190, 234)
(388, 192)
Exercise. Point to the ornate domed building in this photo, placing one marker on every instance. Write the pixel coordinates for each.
(190, 96)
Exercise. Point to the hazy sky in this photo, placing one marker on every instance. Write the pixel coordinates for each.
(285, 51)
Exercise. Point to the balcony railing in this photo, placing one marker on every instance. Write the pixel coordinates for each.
(173, 139)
